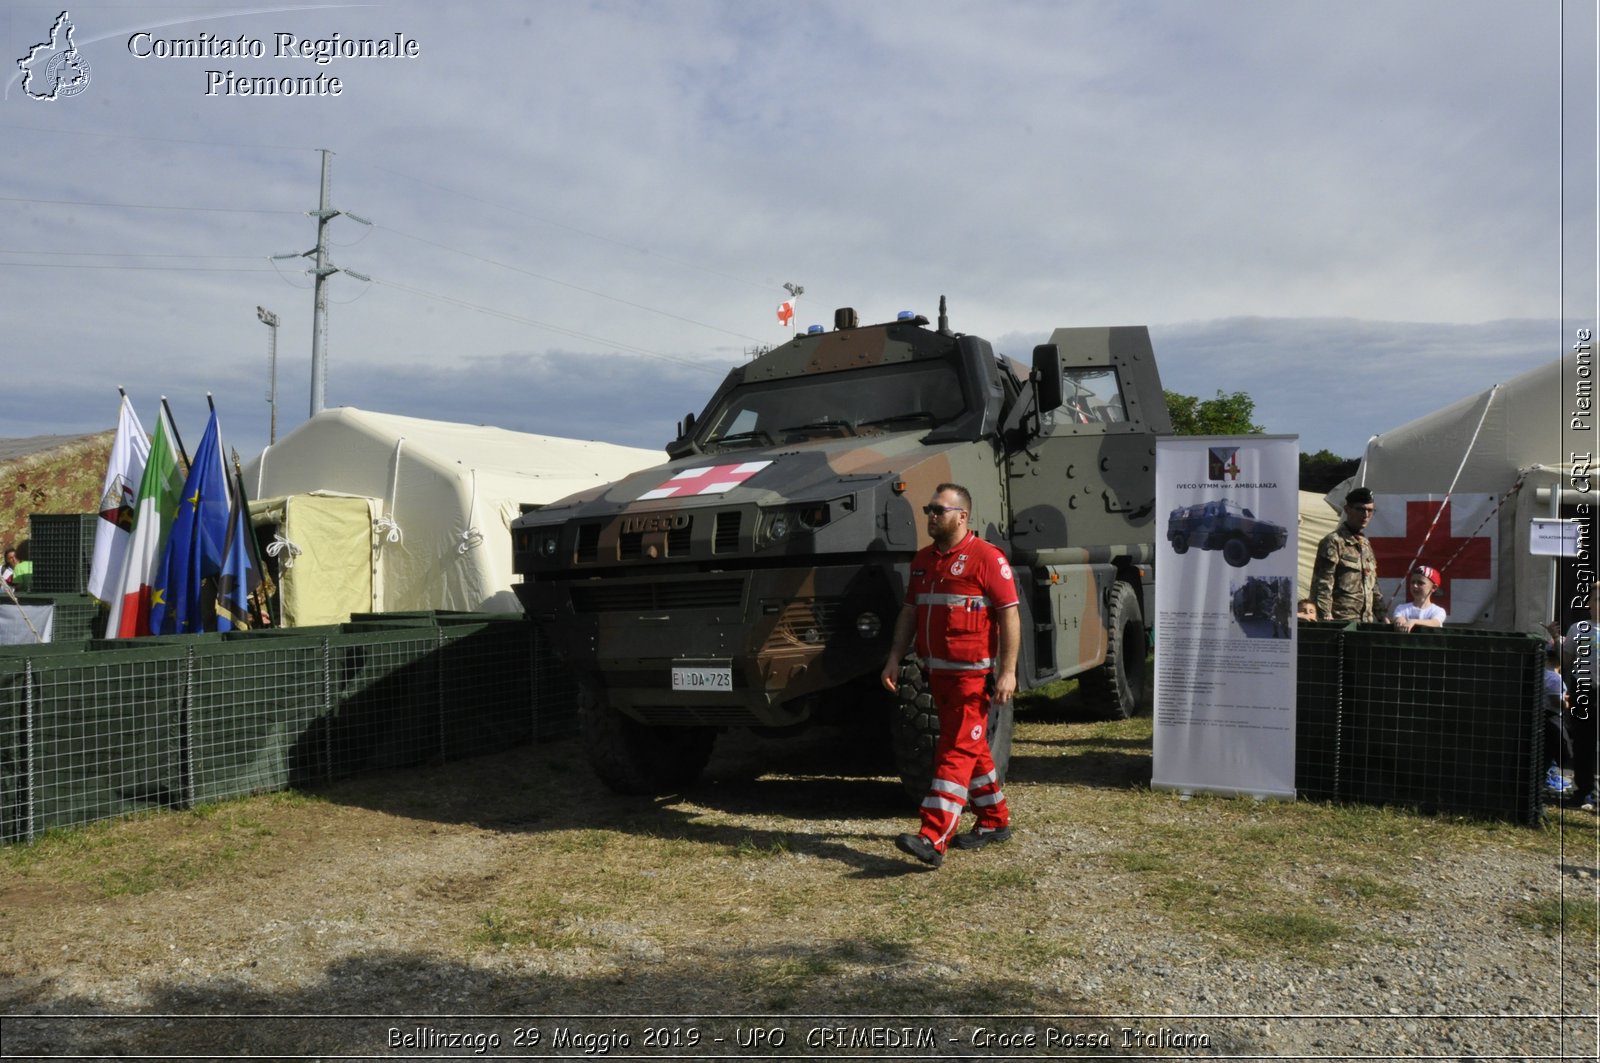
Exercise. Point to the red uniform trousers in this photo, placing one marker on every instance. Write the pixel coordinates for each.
(963, 768)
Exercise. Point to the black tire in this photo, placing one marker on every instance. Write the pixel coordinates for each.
(915, 722)
(1115, 689)
(1236, 552)
(1180, 544)
(636, 758)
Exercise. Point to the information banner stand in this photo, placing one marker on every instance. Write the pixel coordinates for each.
(1226, 561)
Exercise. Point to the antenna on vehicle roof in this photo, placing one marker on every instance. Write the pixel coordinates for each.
(944, 319)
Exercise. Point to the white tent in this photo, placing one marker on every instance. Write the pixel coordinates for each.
(1460, 489)
(443, 495)
(1316, 520)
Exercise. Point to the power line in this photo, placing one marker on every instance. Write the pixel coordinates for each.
(522, 320)
(569, 228)
(565, 284)
(127, 254)
(156, 269)
(154, 140)
(144, 206)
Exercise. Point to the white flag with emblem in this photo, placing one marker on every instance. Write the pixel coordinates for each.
(129, 451)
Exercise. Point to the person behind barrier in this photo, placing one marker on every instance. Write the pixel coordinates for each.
(9, 565)
(21, 574)
(1557, 739)
(1344, 577)
(1420, 611)
(1305, 609)
(961, 610)
(1578, 662)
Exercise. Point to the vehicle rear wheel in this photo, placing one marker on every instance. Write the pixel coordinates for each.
(637, 758)
(1116, 688)
(915, 721)
(1236, 552)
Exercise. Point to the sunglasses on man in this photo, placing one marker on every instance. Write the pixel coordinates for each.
(939, 511)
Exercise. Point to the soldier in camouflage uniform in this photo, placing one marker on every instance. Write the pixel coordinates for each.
(1344, 578)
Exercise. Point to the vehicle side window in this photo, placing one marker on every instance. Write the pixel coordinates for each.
(1092, 395)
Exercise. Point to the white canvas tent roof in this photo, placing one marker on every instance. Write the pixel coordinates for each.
(447, 494)
(1504, 444)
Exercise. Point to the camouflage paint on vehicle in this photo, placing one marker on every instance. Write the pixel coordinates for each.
(770, 555)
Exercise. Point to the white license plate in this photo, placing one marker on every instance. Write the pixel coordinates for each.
(702, 678)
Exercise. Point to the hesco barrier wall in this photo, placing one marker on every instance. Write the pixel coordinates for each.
(98, 728)
(77, 616)
(1443, 720)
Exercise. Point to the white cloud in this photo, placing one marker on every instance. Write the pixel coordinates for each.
(656, 171)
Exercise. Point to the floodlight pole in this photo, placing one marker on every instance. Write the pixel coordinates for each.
(269, 319)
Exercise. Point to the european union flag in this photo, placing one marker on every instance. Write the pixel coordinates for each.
(196, 543)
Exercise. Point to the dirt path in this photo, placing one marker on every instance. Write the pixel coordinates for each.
(491, 898)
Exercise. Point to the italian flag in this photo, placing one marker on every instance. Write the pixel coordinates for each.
(160, 490)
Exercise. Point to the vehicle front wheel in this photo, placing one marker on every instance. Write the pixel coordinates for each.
(915, 722)
(1180, 544)
(638, 758)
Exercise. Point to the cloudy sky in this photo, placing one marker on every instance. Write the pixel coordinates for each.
(583, 212)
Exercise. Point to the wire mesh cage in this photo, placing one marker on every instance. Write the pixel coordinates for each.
(61, 547)
(1317, 717)
(1447, 721)
(97, 728)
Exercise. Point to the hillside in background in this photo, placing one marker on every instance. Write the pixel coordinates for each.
(49, 474)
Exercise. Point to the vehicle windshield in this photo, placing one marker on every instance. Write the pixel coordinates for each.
(890, 398)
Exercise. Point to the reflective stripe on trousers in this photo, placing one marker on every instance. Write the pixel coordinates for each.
(963, 768)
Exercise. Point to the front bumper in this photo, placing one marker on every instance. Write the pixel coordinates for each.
(784, 633)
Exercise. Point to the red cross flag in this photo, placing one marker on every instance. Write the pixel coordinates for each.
(786, 313)
(1458, 537)
(706, 480)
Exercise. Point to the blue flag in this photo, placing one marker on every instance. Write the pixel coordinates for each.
(195, 546)
(240, 573)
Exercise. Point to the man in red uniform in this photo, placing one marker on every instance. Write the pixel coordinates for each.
(961, 607)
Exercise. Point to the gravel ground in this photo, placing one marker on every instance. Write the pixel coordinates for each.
(379, 901)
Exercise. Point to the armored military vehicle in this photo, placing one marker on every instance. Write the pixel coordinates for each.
(754, 579)
(1223, 524)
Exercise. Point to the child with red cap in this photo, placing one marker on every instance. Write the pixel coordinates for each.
(1420, 610)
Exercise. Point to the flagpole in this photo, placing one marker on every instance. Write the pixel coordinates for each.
(173, 424)
(222, 455)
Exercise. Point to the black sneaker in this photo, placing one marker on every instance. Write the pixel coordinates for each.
(977, 839)
(921, 848)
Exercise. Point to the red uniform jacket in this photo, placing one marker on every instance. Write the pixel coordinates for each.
(955, 595)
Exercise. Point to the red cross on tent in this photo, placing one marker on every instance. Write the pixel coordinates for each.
(706, 480)
(1456, 558)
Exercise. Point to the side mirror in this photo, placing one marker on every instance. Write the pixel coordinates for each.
(1047, 376)
(686, 426)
